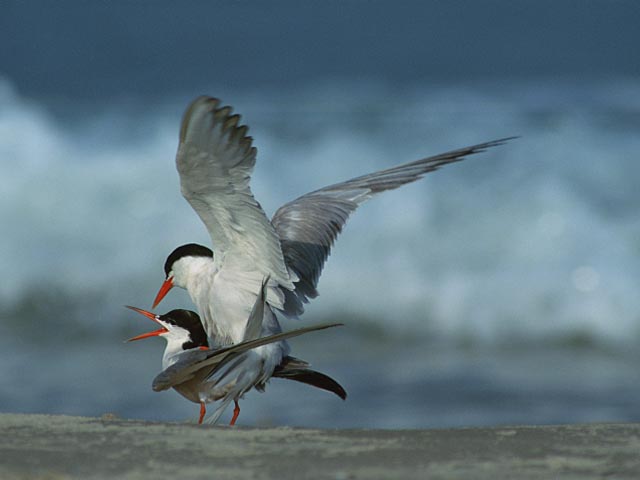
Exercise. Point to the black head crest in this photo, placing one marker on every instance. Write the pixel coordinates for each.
(190, 321)
(188, 250)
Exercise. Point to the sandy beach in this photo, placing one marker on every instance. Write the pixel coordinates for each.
(63, 447)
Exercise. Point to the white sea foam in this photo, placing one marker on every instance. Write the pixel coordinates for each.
(532, 240)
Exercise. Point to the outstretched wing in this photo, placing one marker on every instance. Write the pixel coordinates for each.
(215, 160)
(186, 368)
(309, 225)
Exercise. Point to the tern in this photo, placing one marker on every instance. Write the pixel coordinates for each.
(215, 159)
(202, 374)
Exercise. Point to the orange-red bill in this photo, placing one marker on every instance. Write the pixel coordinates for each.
(155, 333)
(150, 316)
(164, 289)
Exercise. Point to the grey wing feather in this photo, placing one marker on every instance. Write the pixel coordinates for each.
(212, 360)
(181, 371)
(309, 225)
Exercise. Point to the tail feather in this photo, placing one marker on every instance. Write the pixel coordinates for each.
(291, 371)
(215, 416)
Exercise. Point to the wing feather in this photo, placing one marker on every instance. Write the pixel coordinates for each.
(298, 370)
(215, 160)
(309, 225)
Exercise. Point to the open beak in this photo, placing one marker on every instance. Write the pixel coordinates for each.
(150, 316)
(164, 289)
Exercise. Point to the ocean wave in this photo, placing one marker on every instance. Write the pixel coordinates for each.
(536, 239)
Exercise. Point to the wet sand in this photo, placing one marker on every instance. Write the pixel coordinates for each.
(61, 447)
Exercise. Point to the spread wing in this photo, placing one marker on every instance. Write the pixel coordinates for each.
(309, 225)
(187, 367)
(215, 160)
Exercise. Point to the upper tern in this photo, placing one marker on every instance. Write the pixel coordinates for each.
(215, 160)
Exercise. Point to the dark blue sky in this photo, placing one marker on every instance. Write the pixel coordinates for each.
(98, 49)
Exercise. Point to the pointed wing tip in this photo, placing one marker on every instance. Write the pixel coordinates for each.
(504, 140)
(211, 107)
(331, 325)
(461, 154)
(496, 143)
(481, 147)
(337, 389)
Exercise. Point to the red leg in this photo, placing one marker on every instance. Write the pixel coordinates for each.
(236, 412)
(203, 412)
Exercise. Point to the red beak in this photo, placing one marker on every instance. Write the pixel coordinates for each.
(164, 289)
(150, 316)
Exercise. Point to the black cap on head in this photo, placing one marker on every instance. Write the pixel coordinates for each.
(189, 321)
(188, 250)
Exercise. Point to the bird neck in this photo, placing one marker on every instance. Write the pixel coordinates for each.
(190, 272)
(175, 346)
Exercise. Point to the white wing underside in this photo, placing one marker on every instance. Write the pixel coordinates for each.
(215, 160)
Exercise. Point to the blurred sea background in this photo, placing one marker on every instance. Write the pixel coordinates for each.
(500, 290)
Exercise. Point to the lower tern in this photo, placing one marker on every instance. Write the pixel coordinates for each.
(202, 374)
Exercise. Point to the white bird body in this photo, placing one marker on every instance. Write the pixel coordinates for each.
(215, 160)
(223, 296)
